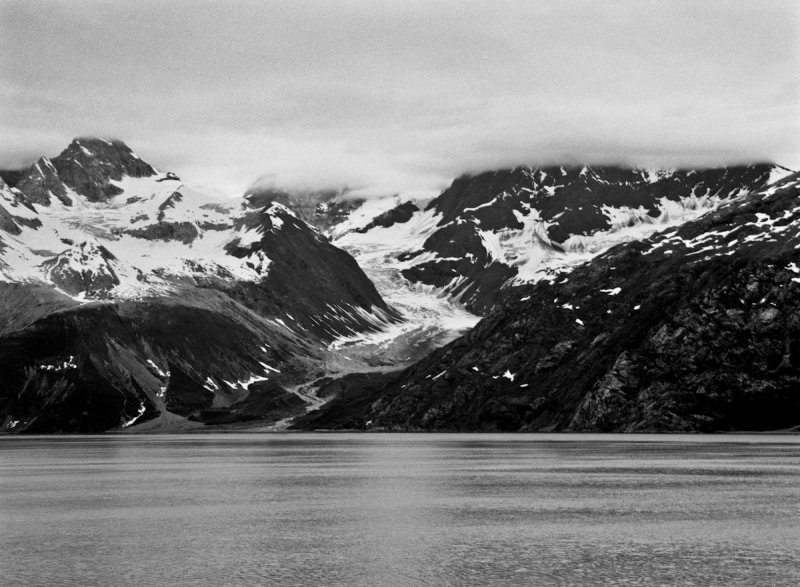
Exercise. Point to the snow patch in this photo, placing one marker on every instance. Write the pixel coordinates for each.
(132, 421)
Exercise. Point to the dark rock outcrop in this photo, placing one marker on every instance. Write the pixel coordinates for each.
(12, 176)
(397, 215)
(87, 166)
(42, 182)
(184, 232)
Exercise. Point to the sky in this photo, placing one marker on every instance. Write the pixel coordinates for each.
(401, 96)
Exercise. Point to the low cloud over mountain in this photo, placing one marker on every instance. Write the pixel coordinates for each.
(402, 97)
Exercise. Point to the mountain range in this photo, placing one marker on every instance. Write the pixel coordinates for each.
(555, 298)
(693, 329)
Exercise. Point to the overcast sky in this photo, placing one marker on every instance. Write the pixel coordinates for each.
(401, 96)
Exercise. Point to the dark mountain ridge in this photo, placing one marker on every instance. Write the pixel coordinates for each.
(492, 224)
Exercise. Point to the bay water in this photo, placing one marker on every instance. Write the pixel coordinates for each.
(400, 509)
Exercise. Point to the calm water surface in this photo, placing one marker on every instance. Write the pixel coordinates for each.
(376, 509)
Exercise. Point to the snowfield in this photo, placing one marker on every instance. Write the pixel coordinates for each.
(144, 263)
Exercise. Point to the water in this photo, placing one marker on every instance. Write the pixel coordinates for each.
(341, 509)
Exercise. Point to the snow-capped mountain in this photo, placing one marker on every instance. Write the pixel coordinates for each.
(692, 329)
(500, 228)
(98, 213)
(160, 299)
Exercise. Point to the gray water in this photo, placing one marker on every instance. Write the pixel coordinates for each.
(386, 509)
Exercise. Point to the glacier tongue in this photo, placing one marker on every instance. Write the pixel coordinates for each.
(432, 317)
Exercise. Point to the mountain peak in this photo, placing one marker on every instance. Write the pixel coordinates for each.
(98, 147)
(88, 166)
(100, 159)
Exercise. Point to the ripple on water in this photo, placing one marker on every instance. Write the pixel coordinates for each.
(399, 509)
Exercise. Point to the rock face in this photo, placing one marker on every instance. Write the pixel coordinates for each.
(501, 228)
(397, 215)
(127, 295)
(84, 268)
(12, 176)
(87, 166)
(696, 328)
(41, 184)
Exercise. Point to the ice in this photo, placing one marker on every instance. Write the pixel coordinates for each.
(491, 242)
(142, 410)
(430, 312)
(58, 366)
(250, 236)
(157, 369)
(488, 204)
(268, 368)
(777, 173)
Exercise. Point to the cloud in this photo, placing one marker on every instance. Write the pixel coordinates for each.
(394, 97)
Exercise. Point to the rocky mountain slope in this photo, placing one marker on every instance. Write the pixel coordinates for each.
(696, 328)
(127, 294)
(500, 228)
